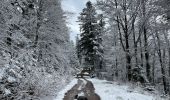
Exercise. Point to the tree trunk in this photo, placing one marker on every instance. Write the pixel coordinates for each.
(39, 21)
(135, 43)
(153, 68)
(168, 50)
(148, 67)
(116, 62)
(126, 36)
(128, 58)
(161, 62)
(141, 52)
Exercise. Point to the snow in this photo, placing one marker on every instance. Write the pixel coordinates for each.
(7, 91)
(161, 19)
(81, 94)
(83, 84)
(112, 91)
(1, 73)
(19, 9)
(86, 73)
(11, 79)
(61, 94)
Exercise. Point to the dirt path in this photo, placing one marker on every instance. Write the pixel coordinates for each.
(84, 87)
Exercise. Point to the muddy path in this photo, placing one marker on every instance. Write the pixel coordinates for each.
(83, 88)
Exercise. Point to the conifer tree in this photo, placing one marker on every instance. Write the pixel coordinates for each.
(89, 37)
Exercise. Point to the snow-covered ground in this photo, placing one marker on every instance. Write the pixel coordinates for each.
(112, 91)
(61, 94)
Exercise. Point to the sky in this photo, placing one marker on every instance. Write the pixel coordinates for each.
(74, 6)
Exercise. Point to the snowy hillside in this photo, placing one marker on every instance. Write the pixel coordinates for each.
(35, 49)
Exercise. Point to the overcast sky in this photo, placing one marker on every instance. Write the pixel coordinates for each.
(74, 6)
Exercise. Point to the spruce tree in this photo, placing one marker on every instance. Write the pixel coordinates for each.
(89, 37)
(78, 49)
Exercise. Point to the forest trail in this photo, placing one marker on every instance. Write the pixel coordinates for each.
(82, 88)
(96, 89)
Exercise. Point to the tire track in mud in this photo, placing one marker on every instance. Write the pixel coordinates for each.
(83, 87)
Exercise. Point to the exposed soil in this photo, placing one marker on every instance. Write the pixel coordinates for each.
(81, 87)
